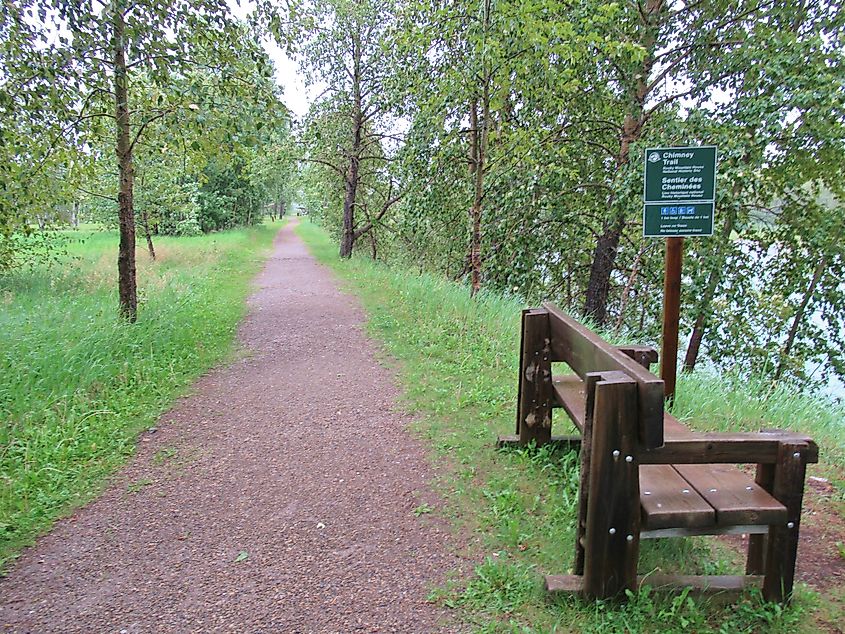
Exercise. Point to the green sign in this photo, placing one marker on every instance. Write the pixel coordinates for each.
(680, 173)
(672, 220)
(679, 191)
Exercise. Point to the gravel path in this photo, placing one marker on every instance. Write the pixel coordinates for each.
(278, 497)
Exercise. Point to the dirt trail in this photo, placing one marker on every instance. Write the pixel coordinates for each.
(293, 460)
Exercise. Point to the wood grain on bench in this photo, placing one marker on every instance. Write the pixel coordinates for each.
(694, 495)
(735, 497)
(682, 445)
(701, 585)
(686, 447)
(586, 352)
(668, 501)
(644, 474)
(570, 394)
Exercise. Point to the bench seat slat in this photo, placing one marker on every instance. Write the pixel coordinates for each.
(673, 428)
(668, 501)
(736, 498)
(571, 396)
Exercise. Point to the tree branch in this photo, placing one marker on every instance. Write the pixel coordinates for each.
(144, 125)
(388, 203)
(322, 162)
(96, 195)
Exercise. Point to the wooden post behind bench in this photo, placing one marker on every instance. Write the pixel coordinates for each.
(534, 415)
(612, 531)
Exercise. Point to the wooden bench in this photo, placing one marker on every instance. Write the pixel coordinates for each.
(645, 475)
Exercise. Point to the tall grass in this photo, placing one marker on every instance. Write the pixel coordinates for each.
(458, 363)
(727, 402)
(77, 383)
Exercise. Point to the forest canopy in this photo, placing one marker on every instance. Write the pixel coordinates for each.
(163, 114)
(501, 143)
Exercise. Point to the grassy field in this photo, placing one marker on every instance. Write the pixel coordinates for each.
(458, 362)
(77, 383)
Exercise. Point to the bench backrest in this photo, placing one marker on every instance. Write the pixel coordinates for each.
(585, 352)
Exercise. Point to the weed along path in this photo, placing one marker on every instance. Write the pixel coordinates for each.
(279, 497)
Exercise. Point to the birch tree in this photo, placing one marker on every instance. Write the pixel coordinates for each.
(88, 53)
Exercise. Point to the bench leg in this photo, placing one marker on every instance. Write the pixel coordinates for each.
(534, 416)
(612, 531)
(755, 564)
(583, 497)
(782, 542)
(584, 473)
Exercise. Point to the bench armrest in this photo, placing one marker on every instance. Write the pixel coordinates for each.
(644, 355)
(740, 448)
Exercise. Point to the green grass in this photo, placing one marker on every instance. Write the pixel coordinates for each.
(711, 402)
(77, 384)
(458, 362)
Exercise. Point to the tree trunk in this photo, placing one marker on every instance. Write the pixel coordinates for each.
(799, 316)
(373, 245)
(635, 270)
(477, 171)
(145, 223)
(127, 288)
(703, 316)
(604, 255)
(604, 259)
(347, 241)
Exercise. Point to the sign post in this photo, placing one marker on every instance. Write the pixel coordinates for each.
(679, 199)
(671, 315)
